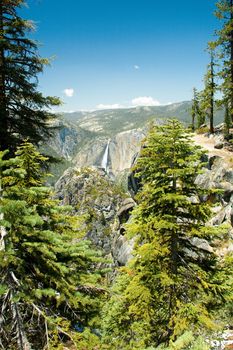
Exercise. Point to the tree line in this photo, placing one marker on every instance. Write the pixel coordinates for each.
(218, 80)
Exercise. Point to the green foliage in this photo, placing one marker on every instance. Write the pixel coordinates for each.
(207, 95)
(171, 285)
(49, 276)
(227, 120)
(223, 46)
(198, 117)
(24, 111)
(185, 342)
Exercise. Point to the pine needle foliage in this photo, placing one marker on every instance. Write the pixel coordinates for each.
(207, 95)
(185, 342)
(198, 118)
(223, 46)
(49, 280)
(173, 283)
(24, 111)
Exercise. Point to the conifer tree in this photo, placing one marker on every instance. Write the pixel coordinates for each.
(224, 47)
(48, 277)
(24, 111)
(173, 283)
(198, 118)
(207, 95)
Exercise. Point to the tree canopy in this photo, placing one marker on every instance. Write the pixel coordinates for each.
(24, 111)
(50, 280)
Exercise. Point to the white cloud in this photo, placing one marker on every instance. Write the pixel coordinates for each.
(136, 67)
(113, 106)
(69, 92)
(145, 101)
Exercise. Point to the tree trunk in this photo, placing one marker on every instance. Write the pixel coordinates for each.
(212, 95)
(3, 231)
(193, 121)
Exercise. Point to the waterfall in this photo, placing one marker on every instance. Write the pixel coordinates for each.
(104, 163)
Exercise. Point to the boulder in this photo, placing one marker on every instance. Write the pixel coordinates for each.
(219, 145)
(201, 244)
(122, 249)
(124, 211)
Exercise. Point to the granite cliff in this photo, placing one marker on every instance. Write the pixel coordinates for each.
(104, 205)
(82, 137)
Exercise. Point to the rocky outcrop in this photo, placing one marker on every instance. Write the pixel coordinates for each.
(218, 177)
(67, 139)
(125, 210)
(93, 194)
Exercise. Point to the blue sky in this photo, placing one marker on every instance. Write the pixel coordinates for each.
(122, 52)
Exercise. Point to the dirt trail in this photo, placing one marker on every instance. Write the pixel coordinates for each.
(208, 143)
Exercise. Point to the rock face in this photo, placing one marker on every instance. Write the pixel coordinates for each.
(218, 176)
(67, 139)
(122, 149)
(93, 194)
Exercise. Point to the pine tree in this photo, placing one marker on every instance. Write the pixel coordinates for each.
(173, 283)
(49, 278)
(224, 47)
(198, 117)
(24, 111)
(207, 95)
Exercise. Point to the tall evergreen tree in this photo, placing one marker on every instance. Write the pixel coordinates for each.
(48, 277)
(207, 95)
(224, 46)
(173, 283)
(198, 118)
(24, 111)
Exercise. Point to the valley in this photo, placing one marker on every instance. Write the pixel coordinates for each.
(82, 137)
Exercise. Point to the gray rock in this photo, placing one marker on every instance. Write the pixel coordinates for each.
(124, 211)
(201, 244)
(122, 249)
(91, 192)
(219, 127)
(122, 148)
(219, 145)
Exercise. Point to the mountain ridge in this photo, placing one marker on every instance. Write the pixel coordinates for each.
(108, 121)
(82, 136)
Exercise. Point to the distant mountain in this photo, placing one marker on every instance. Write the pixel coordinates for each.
(112, 121)
(82, 137)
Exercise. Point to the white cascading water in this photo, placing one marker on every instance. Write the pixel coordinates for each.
(104, 163)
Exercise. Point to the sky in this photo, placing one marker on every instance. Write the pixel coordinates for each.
(122, 53)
